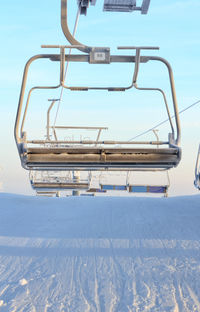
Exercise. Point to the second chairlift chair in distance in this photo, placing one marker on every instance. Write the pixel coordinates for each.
(197, 171)
(87, 155)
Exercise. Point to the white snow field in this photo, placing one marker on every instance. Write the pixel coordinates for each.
(113, 254)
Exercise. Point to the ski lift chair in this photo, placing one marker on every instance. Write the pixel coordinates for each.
(149, 189)
(87, 155)
(137, 188)
(44, 181)
(197, 171)
(105, 181)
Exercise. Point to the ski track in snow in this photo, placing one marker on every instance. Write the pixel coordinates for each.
(99, 254)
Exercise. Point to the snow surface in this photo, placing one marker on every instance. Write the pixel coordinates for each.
(112, 254)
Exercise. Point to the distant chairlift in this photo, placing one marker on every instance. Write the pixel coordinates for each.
(48, 181)
(88, 154)
(197, 171)
(138, 188)
(116, 5)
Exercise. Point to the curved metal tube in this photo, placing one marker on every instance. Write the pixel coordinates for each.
(48, 116)
(28, 99)
(22, 92)
(66, 30)
(165, 100)
(172, 85)
(174, 99)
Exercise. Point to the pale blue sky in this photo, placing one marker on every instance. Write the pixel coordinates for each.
(173, 25)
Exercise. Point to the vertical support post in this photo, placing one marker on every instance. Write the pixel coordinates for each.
(76, 179)
(62, 65)
(48, 117)
(155, 131)
(137, 64)
(98, 135)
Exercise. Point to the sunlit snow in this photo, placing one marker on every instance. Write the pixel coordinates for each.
(112, 254)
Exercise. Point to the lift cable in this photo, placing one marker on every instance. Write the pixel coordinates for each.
(66, 68)
(164, 121)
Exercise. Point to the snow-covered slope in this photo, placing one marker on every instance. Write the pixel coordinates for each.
(99, 254)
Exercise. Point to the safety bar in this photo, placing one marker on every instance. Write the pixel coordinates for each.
(68, 127)
(81, 128)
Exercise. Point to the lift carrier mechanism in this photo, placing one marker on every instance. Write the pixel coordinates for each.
(87, 154)
(116, 5)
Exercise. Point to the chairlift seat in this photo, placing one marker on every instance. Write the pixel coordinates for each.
(96, 190)
(59, 186)
(99, 157)
(148, 189)
(110, 187)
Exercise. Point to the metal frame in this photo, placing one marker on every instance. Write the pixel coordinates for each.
(129, 187)
(82, 58)
(56, 155)
(20, 136)
(197, 171)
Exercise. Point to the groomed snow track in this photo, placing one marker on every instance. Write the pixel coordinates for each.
(99, 254)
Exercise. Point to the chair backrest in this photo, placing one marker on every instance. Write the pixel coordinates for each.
(110, 187)
(148, 189)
